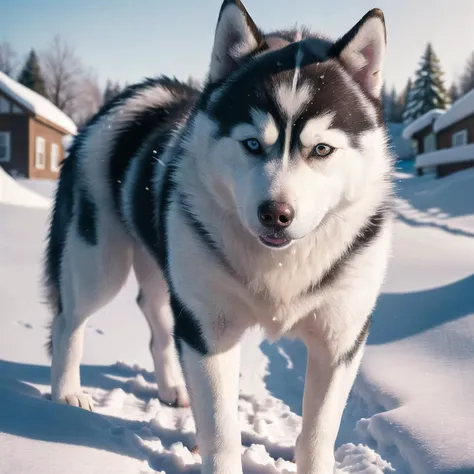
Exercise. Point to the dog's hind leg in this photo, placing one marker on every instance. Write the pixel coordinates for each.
(153, 300)
(92, 272)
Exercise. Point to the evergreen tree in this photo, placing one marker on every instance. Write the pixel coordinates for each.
(403, 99)
(406, 92)
(428, 91)
(385, 102)
(111, 90)
(31, 75)
(467, 78)
(396, 112)
(8, 59)
(391, 106)
(454, 93)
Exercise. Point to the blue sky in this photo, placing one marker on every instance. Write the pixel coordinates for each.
(129, 39)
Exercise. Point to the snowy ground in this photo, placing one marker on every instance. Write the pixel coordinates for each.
(411, 411)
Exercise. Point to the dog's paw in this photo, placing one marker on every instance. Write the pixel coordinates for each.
(79, 400)
(174, 396)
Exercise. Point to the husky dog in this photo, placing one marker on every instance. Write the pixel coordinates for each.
(262, 199)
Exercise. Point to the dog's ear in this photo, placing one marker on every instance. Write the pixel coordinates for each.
(362, 51)
(236, 36)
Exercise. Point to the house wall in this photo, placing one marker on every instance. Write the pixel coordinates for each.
(419, 137)
(50, 135)
(444, 137)
(444, 170)
(17, 125)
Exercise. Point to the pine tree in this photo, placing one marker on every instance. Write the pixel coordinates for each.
(454, 93)
(428, 91)
(8, 59)
(391, 106)
(385, 102)
(403, 99)
(31, 75)
(111, 90)
(467, 78)
(395, 115)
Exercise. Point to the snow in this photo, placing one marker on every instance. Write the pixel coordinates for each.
(36, 103)
(45, 187)
(444, 156)
(422, 122)
(11, 192)
(422, 407)
(462, 108)
(411, 410)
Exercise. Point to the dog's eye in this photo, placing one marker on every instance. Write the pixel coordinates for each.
(252, 145)
(322, 150)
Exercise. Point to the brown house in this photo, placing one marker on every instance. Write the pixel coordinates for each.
(421, 132)
(31, 132)
(456, 130)
(444, 140)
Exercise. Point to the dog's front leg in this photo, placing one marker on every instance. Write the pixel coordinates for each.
(327, 387)
(214, 389)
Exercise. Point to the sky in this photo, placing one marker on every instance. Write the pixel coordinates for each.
(126, 40)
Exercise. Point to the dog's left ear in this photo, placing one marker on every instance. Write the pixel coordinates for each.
(236, 36)
(362, 51)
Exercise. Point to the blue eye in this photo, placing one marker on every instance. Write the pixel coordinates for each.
(322, 150)
(252, 145)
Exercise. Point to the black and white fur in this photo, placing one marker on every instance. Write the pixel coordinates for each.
(189, 188)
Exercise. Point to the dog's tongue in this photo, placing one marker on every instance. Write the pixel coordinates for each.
(275, 240)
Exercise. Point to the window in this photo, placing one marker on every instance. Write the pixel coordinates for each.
(54, 157)
(414, 144)
(459, 138)
(429, 143)
(4, 105)
(16, 110)
(4, 147)
(40, 153)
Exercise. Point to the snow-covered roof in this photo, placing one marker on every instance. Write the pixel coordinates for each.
(36, 103)
(422, 122)
(462, 108)
(446, 155)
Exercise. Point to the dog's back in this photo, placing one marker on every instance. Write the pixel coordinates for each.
(102, 222)
(109, 163)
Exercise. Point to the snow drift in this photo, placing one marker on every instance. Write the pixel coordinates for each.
(11, 192)
(416, 376)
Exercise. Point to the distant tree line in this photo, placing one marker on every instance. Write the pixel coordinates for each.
(59, 75)
(427, 90)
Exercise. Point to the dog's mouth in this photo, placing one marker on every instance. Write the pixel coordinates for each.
(276, 241)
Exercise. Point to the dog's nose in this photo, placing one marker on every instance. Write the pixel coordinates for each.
(275, 214)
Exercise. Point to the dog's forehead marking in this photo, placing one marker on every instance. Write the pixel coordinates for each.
(296, 99)
(291, 101)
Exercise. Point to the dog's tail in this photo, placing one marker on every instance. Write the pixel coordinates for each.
(60, 219)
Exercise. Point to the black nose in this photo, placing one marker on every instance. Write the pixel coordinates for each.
(275, 214)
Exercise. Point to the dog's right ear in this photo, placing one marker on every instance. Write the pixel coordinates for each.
(236, 36)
